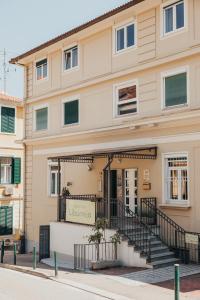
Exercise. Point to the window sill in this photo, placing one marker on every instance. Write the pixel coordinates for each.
(67, 71)
(175, 206)
(175, 107)
(173, 33)
(126, 50)
(8, 133)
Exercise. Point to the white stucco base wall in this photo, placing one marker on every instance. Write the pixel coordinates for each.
(63, 236)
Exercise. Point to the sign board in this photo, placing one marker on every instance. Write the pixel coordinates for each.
(191, 238)
(80, 211)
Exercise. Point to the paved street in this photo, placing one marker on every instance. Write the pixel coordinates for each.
(15, 285)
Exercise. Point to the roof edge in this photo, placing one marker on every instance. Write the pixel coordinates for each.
(76, 29)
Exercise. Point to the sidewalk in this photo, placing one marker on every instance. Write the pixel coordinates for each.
(123, 287)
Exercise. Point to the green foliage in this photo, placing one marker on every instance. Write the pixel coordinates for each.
(99, 231)
(115, 238)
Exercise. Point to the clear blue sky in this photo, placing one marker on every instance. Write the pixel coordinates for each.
(25, 24)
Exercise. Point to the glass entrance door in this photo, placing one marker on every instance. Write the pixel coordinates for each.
(131, 189)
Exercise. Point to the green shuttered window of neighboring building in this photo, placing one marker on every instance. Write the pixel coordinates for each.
(176, 90)
(71, 112)
(7, 119)
(42, 118)
(16, 170)
(6, 220)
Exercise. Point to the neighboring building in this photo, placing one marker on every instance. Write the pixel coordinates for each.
(11, 166)
(120, 95)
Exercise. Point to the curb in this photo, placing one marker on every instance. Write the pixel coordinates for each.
(29, 272)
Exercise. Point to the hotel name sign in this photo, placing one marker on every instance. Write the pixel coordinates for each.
(80, 211)
(191, 239)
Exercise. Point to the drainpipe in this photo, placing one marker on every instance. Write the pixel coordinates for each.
(107, 167)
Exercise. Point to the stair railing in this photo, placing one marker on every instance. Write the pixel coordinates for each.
(169, 232)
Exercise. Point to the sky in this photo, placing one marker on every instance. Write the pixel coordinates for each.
(25, 24)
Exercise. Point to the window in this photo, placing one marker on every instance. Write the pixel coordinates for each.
(10, 170)
(125, 37)
(176, 178)
(41, 69)
(41, 118)
(126, 99)
(174, 18)
(7, 119)
(53, 180)
(71, 112)
(175, 89)
(71, 58)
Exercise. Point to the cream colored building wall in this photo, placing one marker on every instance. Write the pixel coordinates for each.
(97, 102)
(99, 70)
(96, 55)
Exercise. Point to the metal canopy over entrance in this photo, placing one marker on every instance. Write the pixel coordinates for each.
(140, 153)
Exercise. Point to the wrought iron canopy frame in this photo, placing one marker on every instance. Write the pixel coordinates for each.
(140, 153)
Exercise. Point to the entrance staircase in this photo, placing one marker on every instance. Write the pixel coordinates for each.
(149, 246)
(157, 238)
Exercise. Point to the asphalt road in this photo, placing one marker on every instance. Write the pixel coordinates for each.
(15, 285)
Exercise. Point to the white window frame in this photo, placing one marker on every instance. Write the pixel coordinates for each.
(44, 78)
(69, 48)
(6, 167)
(120, 26)
(166, 199)
(116, 88)
(38, 107)
(65, 100)
(50, 164)
(162, 18)
(169, 73)
(9, 133)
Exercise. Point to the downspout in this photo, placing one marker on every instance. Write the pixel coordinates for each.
(59, 192)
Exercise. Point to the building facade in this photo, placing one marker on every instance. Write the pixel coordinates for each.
(121, 87)
(11, 166)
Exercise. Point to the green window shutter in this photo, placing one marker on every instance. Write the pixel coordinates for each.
(71, 112)
(7, 119)
(16, 170)
(176, 90)
(42, 118)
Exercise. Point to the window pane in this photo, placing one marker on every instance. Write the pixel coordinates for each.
(71, 112)
(184, 185)
(42, 118)
(120, 39)
(44, 70)
(67, 60)
(53, 183)
(39, 72)
(180, 15)
(130, 35)
(168, 19)
(75, 57)
(174, 184)
(176, 90)
(127, 93)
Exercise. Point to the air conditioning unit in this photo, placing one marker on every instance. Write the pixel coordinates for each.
(8, 191)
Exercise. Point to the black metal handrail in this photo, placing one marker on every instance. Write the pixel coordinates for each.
(85, 254)
(129, 224)
(169, 232)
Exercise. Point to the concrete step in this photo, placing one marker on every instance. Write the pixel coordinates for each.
(158, 249)
(164, 263)
(162, 255)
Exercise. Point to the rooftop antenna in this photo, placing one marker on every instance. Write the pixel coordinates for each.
(5, 69)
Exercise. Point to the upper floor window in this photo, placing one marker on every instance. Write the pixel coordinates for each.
(175, 89)
(125, 37)
(174, 17)
(71, 58)
(41, 118)
(10, 170)
(71, 112)
(126, 99)
(176, 178)
(41, 69)
(7, 116)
